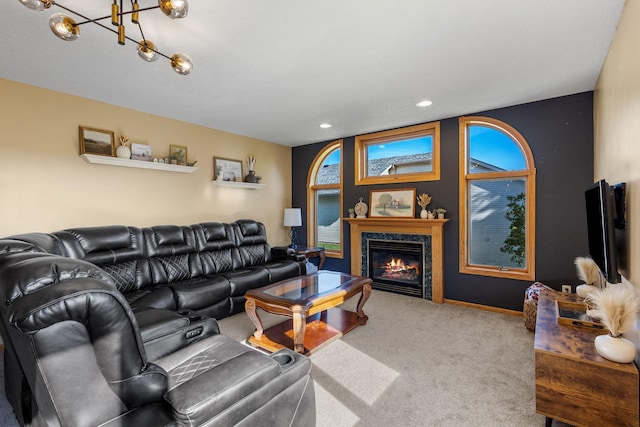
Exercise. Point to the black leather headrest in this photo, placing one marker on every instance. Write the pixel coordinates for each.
(24, 273)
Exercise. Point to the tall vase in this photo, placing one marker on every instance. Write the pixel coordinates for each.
(617, 349)
(424, 214)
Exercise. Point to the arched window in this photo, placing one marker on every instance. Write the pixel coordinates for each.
(497, 200)
(324, 200)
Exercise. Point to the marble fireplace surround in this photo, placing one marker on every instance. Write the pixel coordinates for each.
(432, 227)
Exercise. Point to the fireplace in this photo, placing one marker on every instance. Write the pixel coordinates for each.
(410, 274)
(427, 232)
(396, 266)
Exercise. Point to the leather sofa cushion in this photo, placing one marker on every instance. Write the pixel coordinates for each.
(214, 236)
(218, 388)
(155, 297)
(280, 270)
(194, 295)
(117, 249)
(245, 279)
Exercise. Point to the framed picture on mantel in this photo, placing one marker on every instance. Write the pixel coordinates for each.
(393, 203)
(97, 141)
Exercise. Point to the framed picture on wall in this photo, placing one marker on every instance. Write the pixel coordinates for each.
(228, 169)
(178, 153)
(141, 152)
(97, 141)
(393, 203)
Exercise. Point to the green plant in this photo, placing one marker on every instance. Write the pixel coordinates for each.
(514, 244)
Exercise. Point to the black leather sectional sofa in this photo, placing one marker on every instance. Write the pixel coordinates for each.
(116, 326)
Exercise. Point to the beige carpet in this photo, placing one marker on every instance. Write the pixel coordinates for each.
(416, 363)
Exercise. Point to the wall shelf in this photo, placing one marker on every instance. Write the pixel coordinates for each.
(238, 184)
(115, 161)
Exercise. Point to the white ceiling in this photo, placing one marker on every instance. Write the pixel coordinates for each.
(276, 69)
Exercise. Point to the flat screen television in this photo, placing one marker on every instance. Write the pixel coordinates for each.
(601, 221)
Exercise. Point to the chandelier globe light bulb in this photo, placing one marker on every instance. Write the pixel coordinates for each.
(146, 51)
(181, 64)
(174, 9)
(64, 27)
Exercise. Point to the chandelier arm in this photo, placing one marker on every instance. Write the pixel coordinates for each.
(144, 39)
(88, 20)
(120, 14)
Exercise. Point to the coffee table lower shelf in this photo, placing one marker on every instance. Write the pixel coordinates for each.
(321, 329)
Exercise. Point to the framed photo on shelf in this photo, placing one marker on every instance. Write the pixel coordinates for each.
(97, 141)
(400, 203)
(178, 153)
(228, 169)
(141, 152)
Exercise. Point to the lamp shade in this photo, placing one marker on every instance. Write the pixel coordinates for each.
(292, 217)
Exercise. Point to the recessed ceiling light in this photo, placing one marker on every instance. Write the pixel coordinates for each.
(325, 125)
(424, 103)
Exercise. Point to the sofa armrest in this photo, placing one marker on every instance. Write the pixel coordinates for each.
(286, 253)
(165, 331)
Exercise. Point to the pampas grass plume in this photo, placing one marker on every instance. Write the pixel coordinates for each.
(588, 271)
(616, 306)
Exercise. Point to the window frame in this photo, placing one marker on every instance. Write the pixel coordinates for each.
(528, 174)
(312, 187)
(362, 142)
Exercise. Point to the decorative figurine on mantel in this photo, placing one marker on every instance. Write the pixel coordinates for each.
(251, 177)
(361, 209)
(423, 200)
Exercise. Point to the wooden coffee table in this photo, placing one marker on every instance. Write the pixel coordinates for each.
(310, 302)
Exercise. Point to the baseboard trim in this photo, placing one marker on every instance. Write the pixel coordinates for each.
(483, 307)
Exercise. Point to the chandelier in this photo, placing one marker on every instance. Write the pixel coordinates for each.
(66, 28)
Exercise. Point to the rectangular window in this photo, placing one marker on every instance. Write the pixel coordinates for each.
(328, 219)
(408, 154)
(497, 227)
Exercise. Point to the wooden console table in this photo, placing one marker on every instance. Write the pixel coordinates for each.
(574, 384)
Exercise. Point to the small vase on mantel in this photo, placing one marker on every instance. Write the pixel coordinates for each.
(251, 177)
(123, 151)
(424, 214)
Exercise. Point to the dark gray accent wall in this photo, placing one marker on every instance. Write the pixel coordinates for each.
(560, 134)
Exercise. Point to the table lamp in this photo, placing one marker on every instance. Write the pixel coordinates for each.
(292, 218)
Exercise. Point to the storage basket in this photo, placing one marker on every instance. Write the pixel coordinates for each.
(530, 312)
(530, 309)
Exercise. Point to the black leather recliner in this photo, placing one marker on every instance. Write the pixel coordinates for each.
(83, 361)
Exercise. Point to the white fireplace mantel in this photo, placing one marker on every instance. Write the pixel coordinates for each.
(433, 227)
